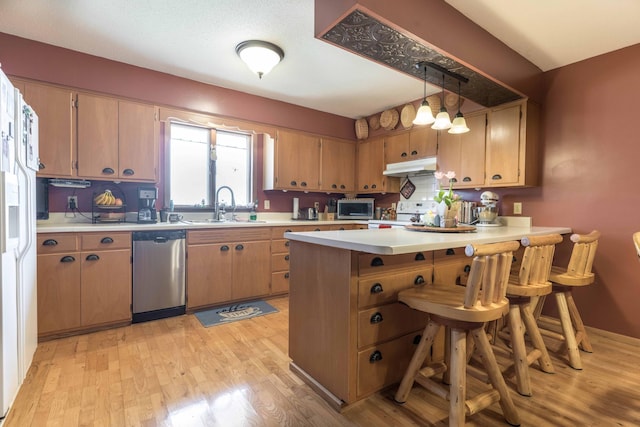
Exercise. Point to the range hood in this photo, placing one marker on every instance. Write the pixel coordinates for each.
(412, 167)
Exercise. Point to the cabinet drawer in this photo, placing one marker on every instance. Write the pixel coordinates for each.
(279, 262)
(383, 289)
(228, 235)
(279, 246)
(278, 232)
(280, 282)
(385, 322)
(57, 243)
(448, 254)
(371, 263)
(385, 364)
(105, 241)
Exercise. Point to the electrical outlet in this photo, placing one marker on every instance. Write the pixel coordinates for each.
(517, 208)
(267, 204)
(72, 202)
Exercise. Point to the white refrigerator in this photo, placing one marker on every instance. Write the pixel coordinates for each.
(18, 300)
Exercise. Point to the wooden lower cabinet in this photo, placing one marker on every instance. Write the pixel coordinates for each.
(227, 265)
(84, 281)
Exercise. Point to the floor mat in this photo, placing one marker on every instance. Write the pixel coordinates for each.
(231, 313)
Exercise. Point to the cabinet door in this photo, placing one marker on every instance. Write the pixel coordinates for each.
(298, 161)
(503, 146)
(448, 155)
(396, 148)
(138, 148)
(209, 274)
(363, 168)
(423, 142)
(251, 269)
(376, 166)
(54, 107)
(97, 137)
(338, 165)
(472, 153)
(58, 292)
(106, 287)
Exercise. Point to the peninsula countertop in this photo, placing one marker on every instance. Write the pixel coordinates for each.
(394, 241)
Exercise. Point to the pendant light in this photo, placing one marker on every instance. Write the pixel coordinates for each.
(443, 121)
(424, 115)
(260, 56)
(459, 124)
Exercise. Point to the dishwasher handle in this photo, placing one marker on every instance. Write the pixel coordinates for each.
(161, 239)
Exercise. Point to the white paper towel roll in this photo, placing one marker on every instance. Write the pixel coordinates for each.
(296, 207)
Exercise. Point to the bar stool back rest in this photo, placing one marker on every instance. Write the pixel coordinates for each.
(537, 259)
(584, 251)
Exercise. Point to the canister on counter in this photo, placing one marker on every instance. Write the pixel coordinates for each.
(378, 213)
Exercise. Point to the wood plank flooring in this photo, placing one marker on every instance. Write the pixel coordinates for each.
(173, 372)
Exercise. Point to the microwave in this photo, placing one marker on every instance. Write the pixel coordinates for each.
(355, 209)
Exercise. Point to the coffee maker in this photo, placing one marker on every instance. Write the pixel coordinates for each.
(147, 213)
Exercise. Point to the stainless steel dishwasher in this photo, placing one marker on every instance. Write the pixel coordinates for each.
(158, 274)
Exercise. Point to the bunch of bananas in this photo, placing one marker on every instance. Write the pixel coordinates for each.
(106, 198)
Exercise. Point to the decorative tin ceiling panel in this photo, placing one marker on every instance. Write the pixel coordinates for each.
(368, 37)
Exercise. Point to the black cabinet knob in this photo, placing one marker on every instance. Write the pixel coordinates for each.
(92, 257)
(496, 177)
(377, 262)
(376, 288)
(466, 179)
(294, 183)
(108, 171)
(414, 153)
(419, 280)
(224, 248)
(286, 275)
(50, 242)
(128, 172)
(376, 356)
(286, 257)
(239, 247)
(376, 318)
(67, 258)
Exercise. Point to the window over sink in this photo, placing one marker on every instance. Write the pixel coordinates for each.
(201, 159)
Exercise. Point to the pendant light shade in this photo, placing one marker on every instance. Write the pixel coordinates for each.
(443, 121)
(260, 56)
(459, 124)
(424, 115)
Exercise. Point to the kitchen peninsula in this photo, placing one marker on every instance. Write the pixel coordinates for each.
(348, 335)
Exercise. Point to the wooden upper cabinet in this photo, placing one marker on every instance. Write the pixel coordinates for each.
(512, 145)
(292, 162)
(137, 141)
(416, 144)
(338, 166)
(97, 136)
(116, 139)
(56, 122)
(371, 164)
(464, 153)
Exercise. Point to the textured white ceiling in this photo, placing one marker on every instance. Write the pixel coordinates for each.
(196, 39)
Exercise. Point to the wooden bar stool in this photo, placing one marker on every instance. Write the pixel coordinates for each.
(464, 311)
(577, 274)
(531, 282)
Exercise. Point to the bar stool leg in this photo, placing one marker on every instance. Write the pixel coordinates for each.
(536, 338)
(417, 360)
(521, 365)
(458, 368)
(567, 330)
(582, 339)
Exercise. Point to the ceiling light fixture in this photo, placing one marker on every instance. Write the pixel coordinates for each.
(459, 124)
(260, 56)
(424, 115)
(443, 121)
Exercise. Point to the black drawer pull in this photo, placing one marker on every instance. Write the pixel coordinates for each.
(334, 186)
(92, 257)
(128, 172)
(67, 258)
(416, 339)
(317, 229)
(41, 166)
(377, 262)
(403, 155)
(294, 183)
(454, 179)
(286, 275)
(106, 240)
(50, 242)
(419, 280)
(419, 257)
(239, 247)
(374, 186)
(108, 171)
(287, 243)
(414, 153)
(376, 356)
(376, 318)
(451, 251)
(303, 184)
(467, 268)
(342, 186)
(341, 228)
(466, 179)
(224, 248)
(286, 257)
(366, 186)
(496, 176)
(376, 288)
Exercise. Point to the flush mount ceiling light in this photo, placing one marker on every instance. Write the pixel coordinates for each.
(424, 115)
(260, 56)
(459, 124)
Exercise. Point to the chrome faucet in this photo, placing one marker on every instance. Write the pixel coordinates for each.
(219, 212)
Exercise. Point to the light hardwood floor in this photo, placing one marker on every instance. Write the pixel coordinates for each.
(173, 372)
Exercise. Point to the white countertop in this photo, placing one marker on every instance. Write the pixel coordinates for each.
(393, 241)
(83, 227)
